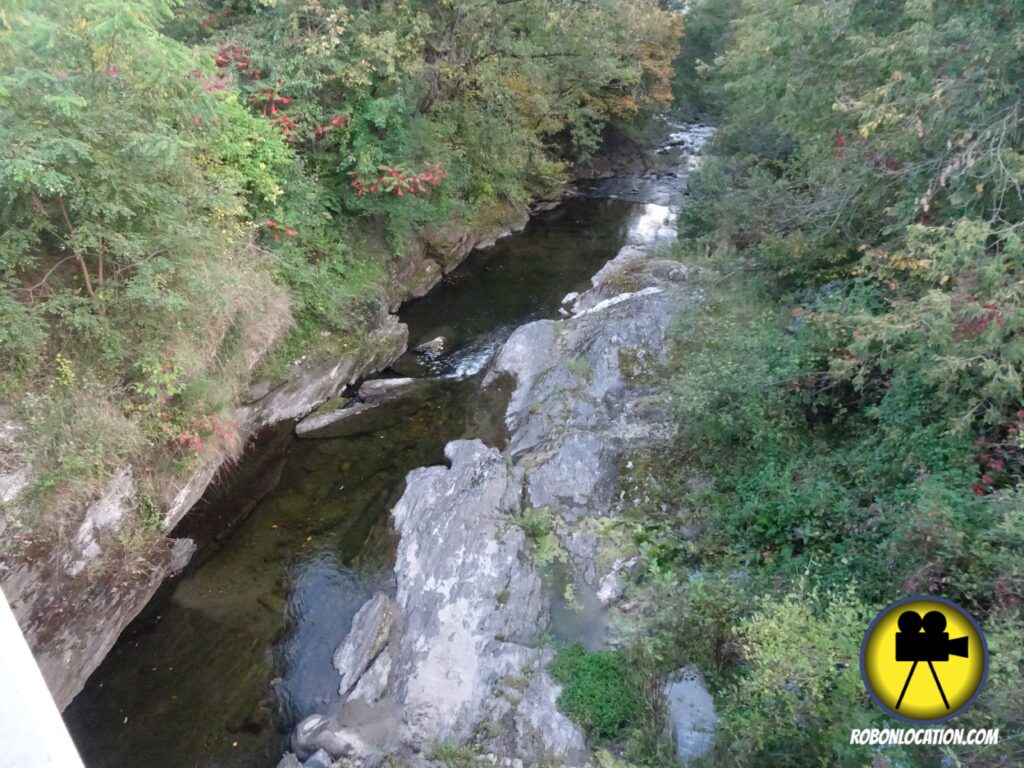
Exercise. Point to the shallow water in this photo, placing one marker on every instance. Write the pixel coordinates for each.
(233, 653)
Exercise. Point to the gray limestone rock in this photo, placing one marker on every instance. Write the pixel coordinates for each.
(691, 715)
(577, 479)
(434, 346)
(335, 422)
(317, 733)
(310, 384)
(374, 683)
(319, 759)
(103, 515)
(181, 553)
(382, 405)
(371, 628)
(457, 553)
(468, 605)
(392, 388)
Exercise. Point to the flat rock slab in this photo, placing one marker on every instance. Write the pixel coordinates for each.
(340, 422)
(384, 401)
(393, 388)
(371, 628)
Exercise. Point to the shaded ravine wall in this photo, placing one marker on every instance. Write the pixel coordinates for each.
(73, 601)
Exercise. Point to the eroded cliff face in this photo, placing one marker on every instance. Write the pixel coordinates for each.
(74, 594)
(455, 656)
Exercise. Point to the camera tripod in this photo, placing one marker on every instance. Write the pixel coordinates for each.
(935, 675)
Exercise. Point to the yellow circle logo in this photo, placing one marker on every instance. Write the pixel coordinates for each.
(924, 659)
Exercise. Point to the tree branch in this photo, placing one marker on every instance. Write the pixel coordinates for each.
(74, 248)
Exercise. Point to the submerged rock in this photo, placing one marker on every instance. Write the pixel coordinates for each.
(434, 346)
(317, 422)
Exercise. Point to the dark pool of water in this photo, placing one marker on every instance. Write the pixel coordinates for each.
(233, 653)
(521, 278)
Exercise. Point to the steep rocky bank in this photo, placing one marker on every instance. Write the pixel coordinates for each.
(72, 600)
(455, 656)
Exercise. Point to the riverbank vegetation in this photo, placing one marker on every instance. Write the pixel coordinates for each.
(186, 186)
(850, 396)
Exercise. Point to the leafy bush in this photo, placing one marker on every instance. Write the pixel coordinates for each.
(536, 522)
(799, 682)
(600, 692)
(180, 188)
(853, 382)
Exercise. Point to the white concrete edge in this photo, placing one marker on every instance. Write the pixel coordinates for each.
(32, 732)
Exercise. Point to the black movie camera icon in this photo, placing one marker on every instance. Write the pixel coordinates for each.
(931, 645)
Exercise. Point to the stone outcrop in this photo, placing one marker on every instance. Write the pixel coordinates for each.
(309, 383)
(587, 391)
(456, 648)
(382, 401)
(691, 715)
(70, 641)
(15, 472)
(458, 661)
(103, 515)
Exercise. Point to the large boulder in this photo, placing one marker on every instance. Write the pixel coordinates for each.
(466, 591)
(456, 648)
(691, 715)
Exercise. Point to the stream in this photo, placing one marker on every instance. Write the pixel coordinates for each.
(232, 653)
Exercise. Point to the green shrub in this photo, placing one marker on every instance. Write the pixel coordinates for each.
(536, 522)
(600, 692)
(455, 756)
(797, 691)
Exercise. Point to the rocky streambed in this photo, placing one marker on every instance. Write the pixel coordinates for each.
(367, 591)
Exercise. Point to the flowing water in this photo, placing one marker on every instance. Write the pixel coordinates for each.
(230, 655)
